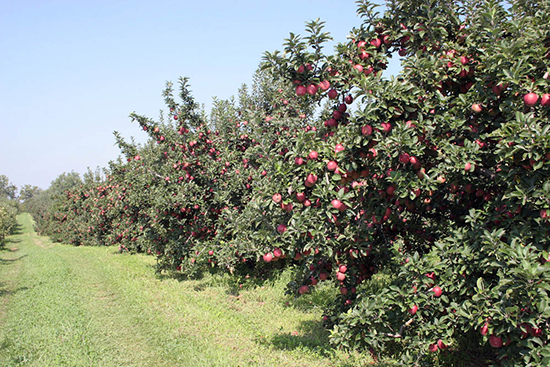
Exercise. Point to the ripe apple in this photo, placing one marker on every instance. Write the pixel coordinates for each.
(386, 127)
(404, 158)
(343, 268)
(402, 52)
(268, 257)
(358, 67)
(377, 42)
(413, 309)
(277, 198)
(433, 347)
(495, 341)
(311, 89)
(477, 108)
(338, 205)
(300, 90)
(311, 180)
(441, 345)
(340, 276)
(323, 276)
(210, 252)
(324, 85)
(303, 289)
(332, 94)
(545, 100)
(281, 228)
(313, 155)
(301, 197)
(467, 167)
(343, 291)
(348, 99)
(298, 161)
(332, 165)
(338, 148)
(366, 130)
(437, 291)
(484, 329)
(277, 252)
(530, 99)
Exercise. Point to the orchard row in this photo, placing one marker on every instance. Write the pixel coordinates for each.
(438, 177)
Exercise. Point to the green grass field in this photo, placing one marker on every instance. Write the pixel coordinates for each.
(88, 306)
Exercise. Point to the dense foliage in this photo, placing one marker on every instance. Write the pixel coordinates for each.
(8, 207)
(438, 176)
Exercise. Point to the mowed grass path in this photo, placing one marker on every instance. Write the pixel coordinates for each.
(89, 306)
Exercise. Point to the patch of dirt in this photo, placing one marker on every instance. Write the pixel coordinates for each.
(39, 243)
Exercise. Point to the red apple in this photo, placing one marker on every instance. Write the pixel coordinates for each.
(281, 228)
(545, 100)
(301, 197)
(311, 89)
(332, 165)
(386, 127)
(300, 90)
(277, 198)
(338, 148)
(332, 94)
(303, 289)
(366, 130)
(467, 167)
(437, 291)
(324, 85)
(495, 341)
(348, 99)
(277, 252)
(299, 161)
(477, 108)
(268, 257)
(484, 329)
(313, 155)
(343, 268)
(338, 205)
(340, 276)
(413, 309)
(404, 158)
(433, 347)
(530, 99)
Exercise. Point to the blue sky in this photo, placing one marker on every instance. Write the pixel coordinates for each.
(72, 71)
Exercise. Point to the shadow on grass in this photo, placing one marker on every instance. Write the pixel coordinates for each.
(17, 230)
(4, 291)
(236, 282)
(10, 261)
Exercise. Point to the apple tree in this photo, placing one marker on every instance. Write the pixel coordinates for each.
(437, 177)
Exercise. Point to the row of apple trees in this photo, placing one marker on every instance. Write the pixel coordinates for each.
(8, 207)
(438, 177)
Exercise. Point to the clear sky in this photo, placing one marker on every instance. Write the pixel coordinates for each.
(72, 71)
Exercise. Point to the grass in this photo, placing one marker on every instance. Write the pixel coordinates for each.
(90, 306)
